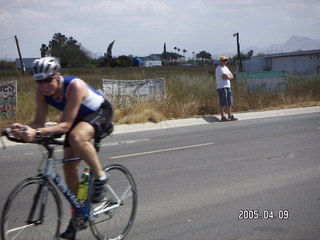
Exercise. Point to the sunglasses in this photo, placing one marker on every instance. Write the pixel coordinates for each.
(47, 80)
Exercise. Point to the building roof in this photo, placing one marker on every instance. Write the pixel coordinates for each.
(290, 54)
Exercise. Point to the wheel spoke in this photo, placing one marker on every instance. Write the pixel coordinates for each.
(127, 193)
(115, 221)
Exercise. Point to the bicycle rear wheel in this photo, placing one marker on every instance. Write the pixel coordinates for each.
(114, 217)
(32, 211)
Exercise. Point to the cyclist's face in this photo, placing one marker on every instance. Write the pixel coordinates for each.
(48, 87)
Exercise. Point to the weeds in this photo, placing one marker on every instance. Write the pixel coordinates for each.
(190, 92)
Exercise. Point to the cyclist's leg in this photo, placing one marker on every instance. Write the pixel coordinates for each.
(72, 179)
(71, 169)
(79, 139)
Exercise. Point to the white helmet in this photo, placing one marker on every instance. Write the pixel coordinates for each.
(45, 67)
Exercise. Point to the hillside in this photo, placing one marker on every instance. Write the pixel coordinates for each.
(295, 43)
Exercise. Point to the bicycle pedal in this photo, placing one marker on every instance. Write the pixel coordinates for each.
(80, 224)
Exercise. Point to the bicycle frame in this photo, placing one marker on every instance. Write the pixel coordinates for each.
(51, 175)
(81, 209)
(49, 183)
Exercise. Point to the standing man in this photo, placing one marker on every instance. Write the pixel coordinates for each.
(223, 77)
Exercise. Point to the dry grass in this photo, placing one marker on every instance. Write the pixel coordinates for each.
(190, 92)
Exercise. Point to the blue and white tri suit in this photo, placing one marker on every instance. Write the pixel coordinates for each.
(95, 109)
(89, 105)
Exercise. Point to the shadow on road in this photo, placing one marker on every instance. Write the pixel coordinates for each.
(211, 119)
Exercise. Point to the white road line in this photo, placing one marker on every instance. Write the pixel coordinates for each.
(161, 150)
(125, 142)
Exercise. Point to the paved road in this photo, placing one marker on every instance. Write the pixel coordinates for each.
(196, 182)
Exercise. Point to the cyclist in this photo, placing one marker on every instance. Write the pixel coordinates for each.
(86, 113)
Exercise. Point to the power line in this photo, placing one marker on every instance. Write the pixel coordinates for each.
(6, 39)
(6, 44)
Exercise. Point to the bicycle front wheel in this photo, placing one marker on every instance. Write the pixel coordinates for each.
(32, 211)
(114, 217)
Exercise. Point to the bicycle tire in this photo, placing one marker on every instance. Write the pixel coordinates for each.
(116, 223)
(16, 211)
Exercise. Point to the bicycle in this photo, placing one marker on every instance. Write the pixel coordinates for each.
(33, 209)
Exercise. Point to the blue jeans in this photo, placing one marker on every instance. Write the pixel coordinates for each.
(225, 96)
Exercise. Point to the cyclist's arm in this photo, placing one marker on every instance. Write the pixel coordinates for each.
(39, 119)
(76, 93)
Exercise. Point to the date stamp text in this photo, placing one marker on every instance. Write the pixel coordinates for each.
(267, 214)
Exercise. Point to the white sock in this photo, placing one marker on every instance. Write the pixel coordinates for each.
(103, 177)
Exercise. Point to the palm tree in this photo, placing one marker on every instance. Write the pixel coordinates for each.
(178, 54)
(184, 52)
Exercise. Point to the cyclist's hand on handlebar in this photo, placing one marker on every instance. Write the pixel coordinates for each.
(24, 132)
(16, 130)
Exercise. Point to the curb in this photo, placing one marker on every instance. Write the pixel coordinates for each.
(127, 128)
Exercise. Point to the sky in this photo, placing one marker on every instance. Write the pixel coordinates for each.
(141, 27)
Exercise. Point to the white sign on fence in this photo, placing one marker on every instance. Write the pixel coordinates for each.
(272, 81)
(8, 99)
(136, 89)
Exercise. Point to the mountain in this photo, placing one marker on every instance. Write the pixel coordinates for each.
(300, 43)
(295, 43)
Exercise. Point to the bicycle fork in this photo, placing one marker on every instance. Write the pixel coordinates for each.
(39, 202)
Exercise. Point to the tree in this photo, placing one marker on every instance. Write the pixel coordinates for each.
(123, 61)
(172, 56)
(44, 50)
(203, 55)
(184, 52)
(67, 49)
(244, 56)
(107, 58)
(250, 54)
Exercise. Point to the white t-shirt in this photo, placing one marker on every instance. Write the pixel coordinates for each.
(222, 83)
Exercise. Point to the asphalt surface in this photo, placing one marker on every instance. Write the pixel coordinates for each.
(201, 179)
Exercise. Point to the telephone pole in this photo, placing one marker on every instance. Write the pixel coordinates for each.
(238, 50)
(21, 63)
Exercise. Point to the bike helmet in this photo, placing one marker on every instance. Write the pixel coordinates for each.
(45, 67)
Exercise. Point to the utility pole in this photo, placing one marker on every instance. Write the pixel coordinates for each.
(238, 50)
(22, 66)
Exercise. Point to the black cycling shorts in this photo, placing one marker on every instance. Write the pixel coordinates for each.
(101, 120)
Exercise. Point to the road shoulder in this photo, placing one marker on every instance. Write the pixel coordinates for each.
(209, 119)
